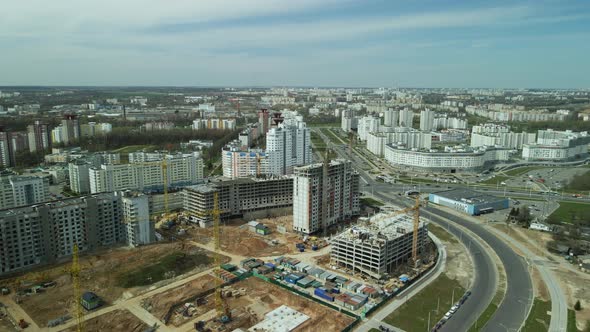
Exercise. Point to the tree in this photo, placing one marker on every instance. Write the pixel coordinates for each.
(577, 306)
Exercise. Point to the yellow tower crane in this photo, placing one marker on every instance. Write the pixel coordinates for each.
(416, 218)
(220, 306)
(165, 178)
(75, 273)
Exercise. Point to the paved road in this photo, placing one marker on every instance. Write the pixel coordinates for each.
(484, 284)
(515, 306)
(558, 301)
(378, 318)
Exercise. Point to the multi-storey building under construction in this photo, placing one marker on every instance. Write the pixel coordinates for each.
(378, 245)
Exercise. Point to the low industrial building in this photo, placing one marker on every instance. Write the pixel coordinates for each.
(236, 197)
(378, 245)
(282, 318)
(469, 201)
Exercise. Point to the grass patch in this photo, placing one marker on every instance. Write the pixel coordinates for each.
(571, 321)
(570, 212)
(333, 137)
(374, 330)
(413, 315)
(331, 124)
(169, 266)
(538, 320)
(371, 202)
(441, 233)
(484, 318)
(134, 148)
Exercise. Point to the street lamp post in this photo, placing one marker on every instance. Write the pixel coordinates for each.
(453, 296)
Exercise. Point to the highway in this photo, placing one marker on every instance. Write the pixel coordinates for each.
(514, 308)
(485, 280)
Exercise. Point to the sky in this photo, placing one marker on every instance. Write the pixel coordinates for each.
(344, 43)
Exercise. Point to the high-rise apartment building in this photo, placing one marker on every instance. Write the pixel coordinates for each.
(70, 128)
(426, 120)
(263, 121)
(18, 191)
(288, 146)
(368, 124)
(406, 118)
(6, 154)
(45, 233)
(312, 192)
(390, 117)
(39, 136)
(241, 163)
(181, 170)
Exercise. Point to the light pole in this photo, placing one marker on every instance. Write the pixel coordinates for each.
(508, 329)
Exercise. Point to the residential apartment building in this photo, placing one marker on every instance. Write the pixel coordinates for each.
(366, 125)
(214, 123)
(445, 122)
(557, 146)
(236, 197)
(426, 120)
(70, 131)
(507, 115)
(379, 245)
(348, 121)
(44, 233)
(181, 170)
(411, 138)
(450, 160)
(390, 117)
(239, 163)
(288, 146)
(406, 118)
(136, 219)
(506, 140)
(6, 153)
(16, 190)
(320, 201)
(39, 136)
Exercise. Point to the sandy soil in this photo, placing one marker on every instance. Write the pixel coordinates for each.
(159, 304)
(576, 287)
(117, 320)
(459, 264)
(99, 275)
(262, 297)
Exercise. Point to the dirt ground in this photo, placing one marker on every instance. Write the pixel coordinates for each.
(99, 275)
(541, 290)
(459, 264)
(159, 304)
(117, 320)
(6, 325)
(576, 287)
(238, 239)
(262, 297)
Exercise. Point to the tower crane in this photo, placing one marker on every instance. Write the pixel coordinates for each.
(165, 181)
(416, 225)
(75, 273)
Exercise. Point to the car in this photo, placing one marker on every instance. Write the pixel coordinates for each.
(468, 293)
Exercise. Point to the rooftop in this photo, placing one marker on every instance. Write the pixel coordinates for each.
(380, 228)
(467, 195)
(281, 319)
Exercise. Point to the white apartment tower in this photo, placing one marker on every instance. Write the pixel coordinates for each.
(390, 117)
(368, 124)
(406, 118)
(426, 120)
(18, 191)
(342, 200)
(287, 147)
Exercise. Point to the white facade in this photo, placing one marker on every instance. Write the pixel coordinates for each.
(347, 120)
(180, 170)
(426, 120)
(450, 161)
(214, 123)
(507, 115)
(390, 117)
(23, 190)
(368, 124)
(557, 145)
(505, 140)
(342, 201)
(288, 146)
(449, 123)
(79, 180)
(406, 118)
(139, 230)
(412, 139)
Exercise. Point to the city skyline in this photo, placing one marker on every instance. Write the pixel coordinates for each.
(305, 43)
